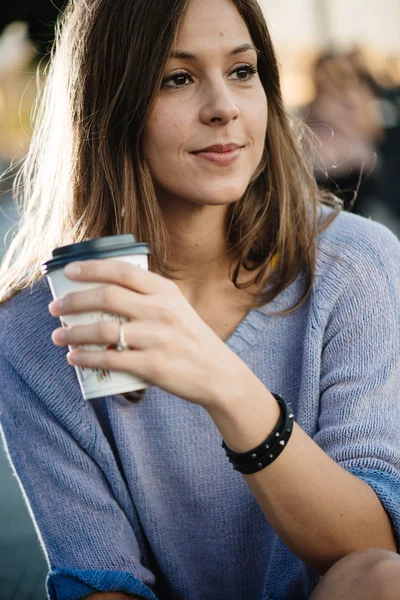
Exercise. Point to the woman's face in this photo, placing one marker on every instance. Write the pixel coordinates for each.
(213, 97)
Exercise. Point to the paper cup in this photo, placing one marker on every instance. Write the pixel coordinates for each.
(96, 383)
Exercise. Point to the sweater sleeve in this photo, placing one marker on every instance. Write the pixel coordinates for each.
(360, 369)
(89, 541)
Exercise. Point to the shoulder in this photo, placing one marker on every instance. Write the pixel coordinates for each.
(26, 306)
(351, 237)
(34, 371)
(26, 326)
(358, 254)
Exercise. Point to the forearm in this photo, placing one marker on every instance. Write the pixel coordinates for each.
(319, 510)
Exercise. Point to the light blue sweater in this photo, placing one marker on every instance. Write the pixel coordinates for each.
(142, 499)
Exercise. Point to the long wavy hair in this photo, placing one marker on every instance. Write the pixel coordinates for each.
(85, 174)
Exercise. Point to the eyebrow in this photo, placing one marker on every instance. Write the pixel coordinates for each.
(182, 55)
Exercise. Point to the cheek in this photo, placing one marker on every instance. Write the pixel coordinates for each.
(259, 122)
(164, 144)
(164, 130)
(260, 112)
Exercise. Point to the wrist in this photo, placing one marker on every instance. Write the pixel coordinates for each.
(245, 413)
(256, 459)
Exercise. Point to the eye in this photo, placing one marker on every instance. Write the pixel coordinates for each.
(245, 73)
(176, 80)
(180, 80)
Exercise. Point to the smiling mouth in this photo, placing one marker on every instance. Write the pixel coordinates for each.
(221, 158)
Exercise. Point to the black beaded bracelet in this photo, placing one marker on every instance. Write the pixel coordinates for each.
(262, 456)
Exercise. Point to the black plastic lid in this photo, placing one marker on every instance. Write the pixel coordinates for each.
(105, 247)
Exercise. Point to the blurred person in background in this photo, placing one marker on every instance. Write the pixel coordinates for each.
(348, 128)
(385, 85)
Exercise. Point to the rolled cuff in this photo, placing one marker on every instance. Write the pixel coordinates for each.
(74, 584)
(387, 488)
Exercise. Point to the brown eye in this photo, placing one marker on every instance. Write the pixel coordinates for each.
(176, 80)
(245, 73)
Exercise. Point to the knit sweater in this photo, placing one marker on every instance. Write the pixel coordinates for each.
(141, 498)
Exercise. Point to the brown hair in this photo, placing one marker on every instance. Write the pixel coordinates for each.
(85, 174)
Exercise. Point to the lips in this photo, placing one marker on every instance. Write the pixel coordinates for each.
(219, 148)
(219, 154)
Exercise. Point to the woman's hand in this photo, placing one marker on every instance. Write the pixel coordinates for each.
(171, 346)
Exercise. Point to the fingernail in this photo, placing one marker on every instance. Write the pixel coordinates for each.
(56, 305)
(74, 357)
(59, 336)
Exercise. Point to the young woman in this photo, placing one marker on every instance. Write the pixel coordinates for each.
(165, 119)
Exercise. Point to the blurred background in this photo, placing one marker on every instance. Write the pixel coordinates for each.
(340, 65)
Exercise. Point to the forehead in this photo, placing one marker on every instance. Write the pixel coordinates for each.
(211, 23)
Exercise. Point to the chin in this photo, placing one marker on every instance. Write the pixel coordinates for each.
(219, 196)
(214, 199)
(221, 200)
(205, 194)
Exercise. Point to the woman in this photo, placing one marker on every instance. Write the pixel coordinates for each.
(259, 294)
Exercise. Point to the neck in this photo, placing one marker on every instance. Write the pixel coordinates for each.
(199, 244)
(200, 251)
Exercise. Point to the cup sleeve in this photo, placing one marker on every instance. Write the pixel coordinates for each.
(88, 539)
(360, 379)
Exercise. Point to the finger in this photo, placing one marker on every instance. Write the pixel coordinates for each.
(107, 298)
(121, 273)
(129, 361)
(137, 335)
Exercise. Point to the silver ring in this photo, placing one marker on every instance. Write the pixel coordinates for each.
(122, 345)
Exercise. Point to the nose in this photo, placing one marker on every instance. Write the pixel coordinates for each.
(219, 106)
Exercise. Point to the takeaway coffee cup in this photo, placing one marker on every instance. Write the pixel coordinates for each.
(96, 383)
